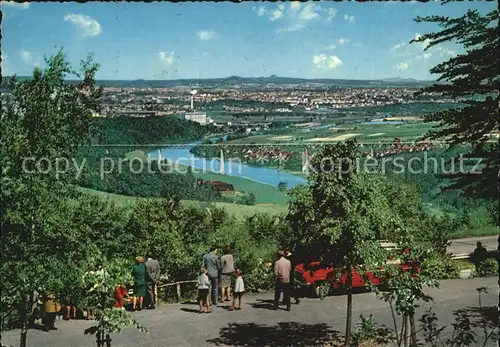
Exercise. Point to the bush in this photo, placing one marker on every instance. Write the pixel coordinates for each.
(260, 278)
(441, 267)
(487, 268)
(369, 330)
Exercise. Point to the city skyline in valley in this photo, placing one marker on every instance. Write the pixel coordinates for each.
(166, 41)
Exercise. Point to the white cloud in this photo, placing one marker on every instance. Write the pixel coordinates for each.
(342, 41)
(273, 15)
(309, 12)
(331, 13)
(277, 13)
(424, 43)
(401, 66)
(398, 46)
(206, 35)
(424, 57)
(261, 10)
(26, 56)
(331, 47)
(295, 5)
(294, 17)
(89, 26)
(445, 51)
(322, 61)
(348, 18)
(166, 58)
(22, 6)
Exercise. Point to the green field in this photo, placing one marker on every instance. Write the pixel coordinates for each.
(264, 194)
(237, 210)
(372, 133)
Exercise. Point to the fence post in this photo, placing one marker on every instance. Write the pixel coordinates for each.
(179, 292)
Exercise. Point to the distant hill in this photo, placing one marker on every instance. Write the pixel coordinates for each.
(241, 81)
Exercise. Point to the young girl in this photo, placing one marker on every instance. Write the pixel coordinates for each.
(239, 290)
(203, 288)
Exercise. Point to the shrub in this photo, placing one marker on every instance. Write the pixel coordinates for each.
(368, 329)
(260, 278)
(488, 267)
(441, 267)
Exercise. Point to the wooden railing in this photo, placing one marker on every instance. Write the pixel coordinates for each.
(178, 288)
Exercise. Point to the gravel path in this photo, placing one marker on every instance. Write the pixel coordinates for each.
(313, 322)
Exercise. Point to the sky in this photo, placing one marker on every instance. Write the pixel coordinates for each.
(345, 40)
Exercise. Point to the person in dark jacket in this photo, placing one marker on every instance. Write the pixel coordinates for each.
(213, 265)
(153, 269)
(479, 255)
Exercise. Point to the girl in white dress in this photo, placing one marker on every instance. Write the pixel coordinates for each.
(239, 290)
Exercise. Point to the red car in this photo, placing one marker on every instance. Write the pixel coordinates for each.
(311, 278)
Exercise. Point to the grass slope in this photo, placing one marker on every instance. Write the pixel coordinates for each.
(264, 194)
(362, 132)
(238, 210)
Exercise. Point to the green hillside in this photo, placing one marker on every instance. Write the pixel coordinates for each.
(237, 210)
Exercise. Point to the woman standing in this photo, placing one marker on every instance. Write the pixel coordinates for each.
(139, 274)
(227, 262)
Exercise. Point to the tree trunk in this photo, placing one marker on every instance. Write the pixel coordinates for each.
(349, 318)
(396, 329)
(406, 340)
(108, 340)
(24, 326)
(413, 333)
(99, 341)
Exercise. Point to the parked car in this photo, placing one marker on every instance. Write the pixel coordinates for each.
(314, 274)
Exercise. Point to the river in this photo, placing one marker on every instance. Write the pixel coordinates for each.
(271, 177)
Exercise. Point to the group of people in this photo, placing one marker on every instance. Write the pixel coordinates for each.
(146, 276)
(219, 280)
(216, 278)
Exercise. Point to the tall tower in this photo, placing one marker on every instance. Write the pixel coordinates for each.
(222, 162)
(305, 162)
(193, 92)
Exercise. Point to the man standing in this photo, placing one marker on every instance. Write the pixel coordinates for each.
(153, 269)
(294, 291)
(480, 254)
(282, 270)
(212, 263)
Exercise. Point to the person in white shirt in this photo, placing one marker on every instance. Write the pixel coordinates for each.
(203, 289)
(239, 290)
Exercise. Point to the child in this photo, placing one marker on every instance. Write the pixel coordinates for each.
(203, 288)
(239, 290)
(121, 294)
(51, 308)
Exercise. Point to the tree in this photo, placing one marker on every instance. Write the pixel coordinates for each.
(405, 288)
(45, 122)
(472, 77)
(339, 217)
(100, 284)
